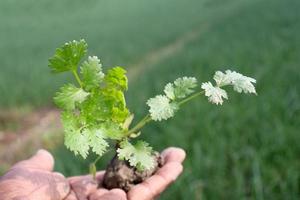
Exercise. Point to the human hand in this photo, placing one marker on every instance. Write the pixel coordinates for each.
(154, 185)
(33, 179)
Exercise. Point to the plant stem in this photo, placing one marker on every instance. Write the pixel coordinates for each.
(190, 97)
(93, 168)
(139, 125)
(77, 78)
(97, 159)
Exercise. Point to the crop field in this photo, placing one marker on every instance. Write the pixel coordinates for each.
(248, 148)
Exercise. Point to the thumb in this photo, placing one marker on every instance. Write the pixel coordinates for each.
(42, 160)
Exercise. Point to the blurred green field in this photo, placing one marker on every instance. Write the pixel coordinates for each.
(119, 32)
(246, 149)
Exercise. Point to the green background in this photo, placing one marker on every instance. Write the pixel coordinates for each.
(248, 148)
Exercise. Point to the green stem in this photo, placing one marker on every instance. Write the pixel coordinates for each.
(93, 168)
(77, 78)
(139, 125)
(97, 159)
(190, 97)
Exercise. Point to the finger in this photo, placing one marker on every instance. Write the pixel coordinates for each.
(42, 160)
(114, 194)
(60, 187)
(117, 193)
(97, 194)
(173, 154)
(154, 185)
(170, 171)
(83, 186)
(100, 176)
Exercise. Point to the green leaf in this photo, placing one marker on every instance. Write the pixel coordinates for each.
(68, 96)
(126, 150)
(67, 57)
(184, 86)
(105, 105)
(170, 91)
(92, 74)
(161, 108)
(138, 155)
(112, 130)
(115, 101)
(214, 93)
(96, 140)
(79, 139)
(96, 111)
(75, 140)
(116, 77)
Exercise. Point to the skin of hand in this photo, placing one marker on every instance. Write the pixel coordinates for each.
(33, 179)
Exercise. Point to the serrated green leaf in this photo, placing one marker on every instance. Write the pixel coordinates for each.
(214, 93)
(161, 108)
(77, 142)
(116, 78)
(184, 86)
(112, 130)
(170, 91)
(115, 102)
(92, 74)
(105, 105)
(74, 139)
(67, 57)
(97, 140)
(96, 111)
(125, 150)
(239, 82)
(68, 96)
(138, 155)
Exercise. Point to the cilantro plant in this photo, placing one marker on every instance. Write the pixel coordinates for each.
(94, 112)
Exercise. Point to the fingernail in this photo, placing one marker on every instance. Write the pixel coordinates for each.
(40, 151)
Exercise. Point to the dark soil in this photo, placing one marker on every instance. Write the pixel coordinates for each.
(119, 174)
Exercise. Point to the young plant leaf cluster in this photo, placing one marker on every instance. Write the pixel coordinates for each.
(94, 112)
(183, 90)
(163, 107)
